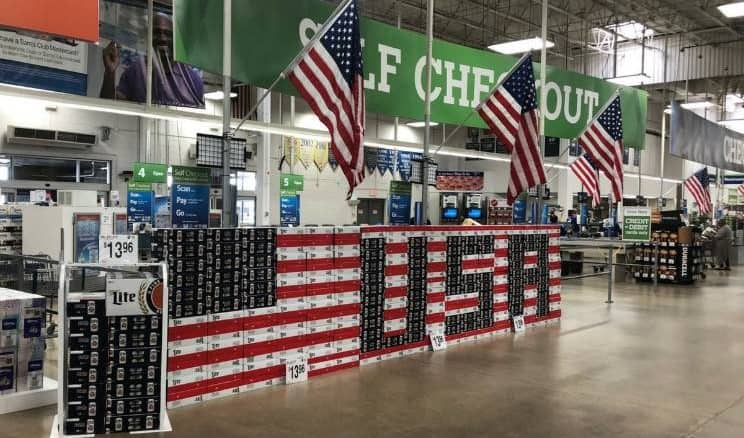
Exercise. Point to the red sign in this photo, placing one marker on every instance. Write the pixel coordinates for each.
(76, 19)
(459, 181)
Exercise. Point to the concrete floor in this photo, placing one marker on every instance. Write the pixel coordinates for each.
(665, 363)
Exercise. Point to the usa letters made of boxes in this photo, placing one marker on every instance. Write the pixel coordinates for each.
(345, 296)
(476, 280)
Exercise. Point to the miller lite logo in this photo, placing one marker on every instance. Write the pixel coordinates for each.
(134, 296)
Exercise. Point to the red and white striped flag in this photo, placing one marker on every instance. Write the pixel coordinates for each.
(698, 185)
(511, 113)
(330, 76)
(603, 142)
(741, 189)
(585, 171)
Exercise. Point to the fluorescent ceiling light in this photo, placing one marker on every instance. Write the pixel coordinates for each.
(520, 46)
(421, 124)
(698, 105)
(732, 10)
(630, 80)
(218, 95)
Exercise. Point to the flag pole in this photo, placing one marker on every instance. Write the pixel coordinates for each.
(427, 112)
(318, 35)
(482, 102)
(543, 96)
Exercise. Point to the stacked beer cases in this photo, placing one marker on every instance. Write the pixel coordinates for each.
(347, 296)
(21, 341)
(111, 377)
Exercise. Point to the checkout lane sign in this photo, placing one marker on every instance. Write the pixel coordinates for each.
(637, 224)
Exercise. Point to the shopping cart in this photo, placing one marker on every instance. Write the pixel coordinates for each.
(709, 253)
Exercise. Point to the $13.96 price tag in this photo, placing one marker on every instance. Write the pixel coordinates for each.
(438, 341)
(518, 321)
(118, 249)
(296, 370)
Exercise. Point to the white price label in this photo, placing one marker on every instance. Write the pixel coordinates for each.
(296, 370)
(518, 322)
(438, 341)
(118, 249)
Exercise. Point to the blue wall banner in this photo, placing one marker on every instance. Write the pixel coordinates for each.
(385, 160)
(731, 180)
(87, 230)
(53, 64)
(139, 207)
(190, 206)
(371, 156)
(289, 210)
(403, 163)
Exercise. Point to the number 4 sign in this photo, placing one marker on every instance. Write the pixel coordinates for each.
(296, 370)
(118, 249)
(438, 341)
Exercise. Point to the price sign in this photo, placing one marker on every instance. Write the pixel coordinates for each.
(118, 249)
(296, 370)
(518, 322)
(438, 341)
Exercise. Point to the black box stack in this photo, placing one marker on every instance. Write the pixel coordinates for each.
(373, 294)
(113, 370)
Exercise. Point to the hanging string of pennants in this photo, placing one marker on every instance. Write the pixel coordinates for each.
(308, 152)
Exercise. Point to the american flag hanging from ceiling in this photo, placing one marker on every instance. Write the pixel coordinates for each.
(330, 77)
(512, 115)
(698, 185)
(586, 172)
(603, 142)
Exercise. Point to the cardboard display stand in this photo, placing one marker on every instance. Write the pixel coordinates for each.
(112, 355)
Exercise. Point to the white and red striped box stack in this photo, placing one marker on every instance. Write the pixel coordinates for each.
(346, 296)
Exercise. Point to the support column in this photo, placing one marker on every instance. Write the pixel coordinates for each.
(228, 197)
(263, 165)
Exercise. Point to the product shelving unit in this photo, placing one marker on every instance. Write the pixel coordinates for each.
(677, 262)
(11, 238)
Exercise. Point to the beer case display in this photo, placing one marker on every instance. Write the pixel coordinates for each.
(348, 296)
(113, 362)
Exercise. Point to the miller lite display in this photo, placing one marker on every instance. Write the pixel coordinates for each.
(114, 358)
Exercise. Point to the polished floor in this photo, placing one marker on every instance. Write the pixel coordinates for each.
(656, 363)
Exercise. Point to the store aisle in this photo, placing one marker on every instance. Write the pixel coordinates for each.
(663, 363)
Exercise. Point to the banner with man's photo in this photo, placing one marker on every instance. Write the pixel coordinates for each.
(115, 68)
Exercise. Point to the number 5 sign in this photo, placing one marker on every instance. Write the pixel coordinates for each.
(118, 249)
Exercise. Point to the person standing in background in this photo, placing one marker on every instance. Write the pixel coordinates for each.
(724, 237)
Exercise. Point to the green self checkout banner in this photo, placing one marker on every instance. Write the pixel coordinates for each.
(637, 224)
(267, 35)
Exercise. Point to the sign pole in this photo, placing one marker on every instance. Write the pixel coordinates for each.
(427, 113)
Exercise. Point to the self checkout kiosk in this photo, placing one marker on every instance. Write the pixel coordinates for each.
(472, 205)
(450, 205)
